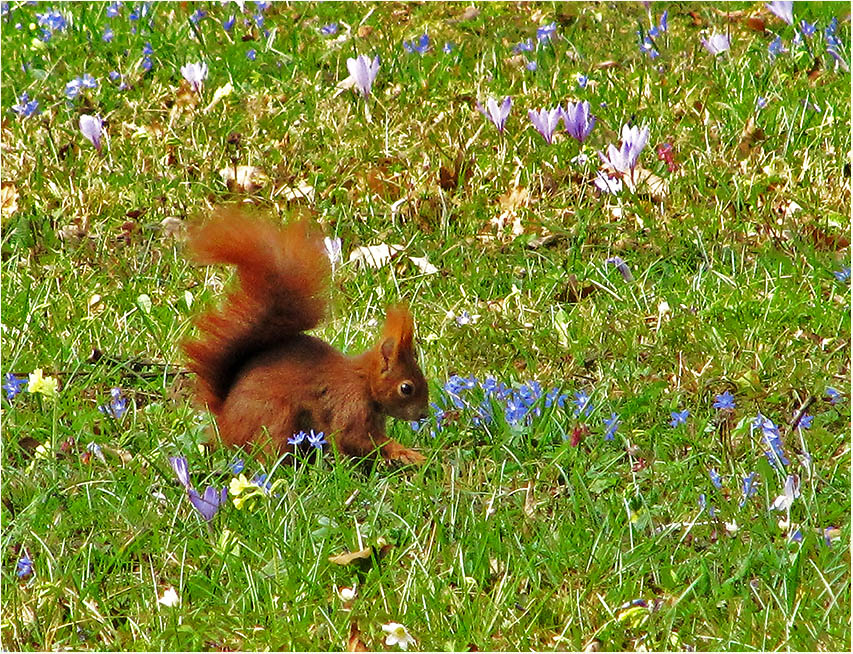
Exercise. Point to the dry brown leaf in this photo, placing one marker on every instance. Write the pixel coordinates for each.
(374, 256)
(364, 556)
(303, 191)
(243, 179)
(424, 265)
(364, 31)
(750, 137)
(354, 643)
(656, 187)
(470, 13)
(8, 199)
(514, 198)
(185, 96)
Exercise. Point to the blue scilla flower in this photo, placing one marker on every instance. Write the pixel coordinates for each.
(12, 384)
(25, 108)
(329, 30)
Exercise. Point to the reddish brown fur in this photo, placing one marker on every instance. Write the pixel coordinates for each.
(266, 380)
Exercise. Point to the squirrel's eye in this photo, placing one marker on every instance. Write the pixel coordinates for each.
(406, 388)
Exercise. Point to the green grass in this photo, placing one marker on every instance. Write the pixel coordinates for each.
(510, 537)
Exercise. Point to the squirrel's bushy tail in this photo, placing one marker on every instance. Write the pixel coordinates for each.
(284, 279)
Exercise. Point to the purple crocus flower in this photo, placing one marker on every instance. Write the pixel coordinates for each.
(91, 127)
(546, 121)
(13, 385)
(624, 160)
(621, 266)
(208, 504)
(195, 74)
(329, 30)
(716, 44)
(179, 465)
(363, 71)
(577, 120)
(784, 9)
(497, 113)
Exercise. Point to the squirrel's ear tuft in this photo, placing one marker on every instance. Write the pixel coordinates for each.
(399, 327)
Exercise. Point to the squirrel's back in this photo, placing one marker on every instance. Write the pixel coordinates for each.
(284, 279)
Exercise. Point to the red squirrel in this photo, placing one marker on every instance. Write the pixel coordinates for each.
(264, 378)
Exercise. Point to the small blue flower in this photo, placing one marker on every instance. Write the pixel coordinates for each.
(703, 503)
(833, 395)
(582, 80)
(114, 75)
(146, 63)
(808, 29)
(554, 396)
(113, 9)
(25, 567)
(715, 478)
(72, 89)
(612, 425)
(678, 418)
(317, 439)
(25, 108)
(261, 482)
(842, 275)
(197, 15)
(448, 47)
(775, 454)
(420, 46)
(748, 487)
(52, 20)
(545, 32)
(251, 55)
(329, 30)
(117, 406)
(259, 20)
(582, 404)
(14, 385)
(297, 439)
(524, 46)
(262, 5)
(648, 46)
(46, 35)
(228, 24)
(108, 34)
(776, 47)
(797, 536)
(724, 401)
(147, 49)
(237, 466)
(805, 422)
(761, 102)
(532, 66)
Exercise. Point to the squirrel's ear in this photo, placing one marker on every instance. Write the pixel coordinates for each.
(399, 327)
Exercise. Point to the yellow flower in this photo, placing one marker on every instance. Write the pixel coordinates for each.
(238, 485)
(38, 383)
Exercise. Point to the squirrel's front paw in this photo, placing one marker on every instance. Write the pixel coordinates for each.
(395, 452)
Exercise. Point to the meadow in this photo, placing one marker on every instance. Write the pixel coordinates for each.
(634, 315)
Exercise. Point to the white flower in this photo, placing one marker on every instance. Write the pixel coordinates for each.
(792, 492)
(397, 635)
(169, 598)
